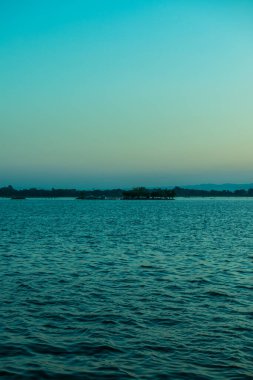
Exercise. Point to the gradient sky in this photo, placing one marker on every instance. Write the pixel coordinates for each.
(118, 93)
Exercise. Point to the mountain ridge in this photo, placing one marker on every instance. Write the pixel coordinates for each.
(219, 187)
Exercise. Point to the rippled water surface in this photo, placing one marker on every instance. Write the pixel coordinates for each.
(126, 289)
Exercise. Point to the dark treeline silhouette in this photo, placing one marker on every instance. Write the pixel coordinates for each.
(144, 193)
(10, 192)
(136, 193)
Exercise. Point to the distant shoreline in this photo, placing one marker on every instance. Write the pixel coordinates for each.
(138, 193)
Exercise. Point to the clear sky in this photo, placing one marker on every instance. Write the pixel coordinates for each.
(118, 93)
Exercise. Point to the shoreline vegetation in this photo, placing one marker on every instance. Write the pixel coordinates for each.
(137, 193)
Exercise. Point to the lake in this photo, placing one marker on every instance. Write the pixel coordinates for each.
(126, 289)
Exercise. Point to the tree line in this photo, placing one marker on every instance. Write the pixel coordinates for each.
(135, 193)
(144, 193)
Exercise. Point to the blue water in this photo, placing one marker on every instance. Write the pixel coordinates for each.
(126, 289)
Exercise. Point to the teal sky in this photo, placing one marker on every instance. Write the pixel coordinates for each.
(118, 93)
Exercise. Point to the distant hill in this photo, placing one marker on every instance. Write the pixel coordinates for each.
(220, 187)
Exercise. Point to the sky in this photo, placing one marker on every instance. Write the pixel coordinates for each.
(122, 93)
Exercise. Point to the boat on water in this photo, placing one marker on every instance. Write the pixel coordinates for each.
(18, 197)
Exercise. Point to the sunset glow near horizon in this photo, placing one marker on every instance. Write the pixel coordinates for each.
(125, 93)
